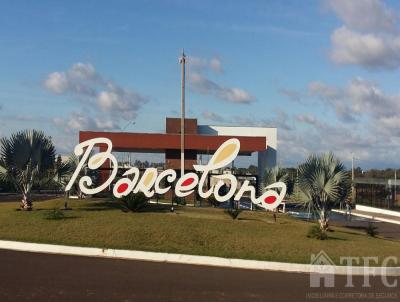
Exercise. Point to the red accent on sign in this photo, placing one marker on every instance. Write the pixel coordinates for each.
(122, 188)
(270, 199)
(188, 182)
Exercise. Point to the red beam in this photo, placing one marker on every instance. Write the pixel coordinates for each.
(153, 142)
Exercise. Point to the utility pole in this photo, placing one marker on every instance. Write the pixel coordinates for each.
(395, 186)
(353, 197)
(297, 179)
(182, 61)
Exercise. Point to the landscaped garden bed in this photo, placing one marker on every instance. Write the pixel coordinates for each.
(200, 231)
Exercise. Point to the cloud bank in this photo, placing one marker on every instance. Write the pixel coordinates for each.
(369, 36)
(367, 123)
(200, 83)
(92, 90)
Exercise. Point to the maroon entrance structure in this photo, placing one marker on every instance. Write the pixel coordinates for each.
(169, 142)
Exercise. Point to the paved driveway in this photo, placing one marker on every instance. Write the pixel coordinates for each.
(43, 277)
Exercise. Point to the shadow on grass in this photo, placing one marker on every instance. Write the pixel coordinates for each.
(102, 206)
(250, 219)
(352, 230)
(32, 210)
(117, 205)
(61, 218)
(336, 238)
(357, 227)
(57, 214)
(152, 208)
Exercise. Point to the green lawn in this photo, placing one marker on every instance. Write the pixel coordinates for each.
(200, 231)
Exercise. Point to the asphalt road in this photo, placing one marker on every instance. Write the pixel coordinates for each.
(43, 277)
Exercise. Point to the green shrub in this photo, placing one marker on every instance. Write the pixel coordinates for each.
(179, 200)
(371, 229)
(233, 213)
(134, 202)
(54, 214)
(315, 232)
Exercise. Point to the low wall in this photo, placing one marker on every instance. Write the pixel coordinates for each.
(377, 210)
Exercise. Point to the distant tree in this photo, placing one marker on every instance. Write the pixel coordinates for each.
(252, 169)
(278, 174)
(358, 172)
(58, 161)
(240, 171)
(376, 173)
(57, 176)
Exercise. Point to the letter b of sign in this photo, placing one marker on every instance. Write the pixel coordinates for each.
(96, 161)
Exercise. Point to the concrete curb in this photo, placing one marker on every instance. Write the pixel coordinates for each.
(369, 216)
(192, 259)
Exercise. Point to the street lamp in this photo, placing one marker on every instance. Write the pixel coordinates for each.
(182, 61)
(353, 191)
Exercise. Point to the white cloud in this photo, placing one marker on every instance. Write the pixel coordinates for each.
(291, 94)
(215, 64)
(369, 36)
(211, 116)
(84, 82)
(83, 71)
(364, 15)
(79, 122)
(373, 51)
(359, 97)
(120, 102)
(243, 121)
(370, 145)
(333, 96)
(196, 63)
(307, 118)
(373, 135)
(280, 120)
(390, 125)
(56, 82)
(316, 88)
(200, 83)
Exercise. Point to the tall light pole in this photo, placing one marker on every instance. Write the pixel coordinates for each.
(182, 61)
(353, 197)
(395, 186)
(352, 166)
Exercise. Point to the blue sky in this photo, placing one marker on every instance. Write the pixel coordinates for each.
(324, 72)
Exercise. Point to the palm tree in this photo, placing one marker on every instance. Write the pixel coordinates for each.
(62, 172)
(278, 174)
(56, 178)
(25, 158)
(325, 182)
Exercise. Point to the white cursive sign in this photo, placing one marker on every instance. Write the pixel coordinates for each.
(149, 182)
